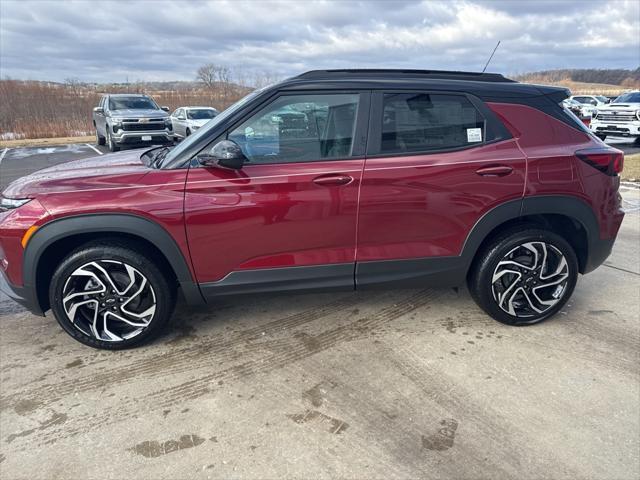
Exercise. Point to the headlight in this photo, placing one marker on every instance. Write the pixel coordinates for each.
(116, 121)
(12, 203)
(195, 127)
(638, 114)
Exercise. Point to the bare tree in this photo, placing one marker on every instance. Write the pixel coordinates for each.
(207, 74)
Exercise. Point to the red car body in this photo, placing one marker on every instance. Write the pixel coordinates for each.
(363, 220)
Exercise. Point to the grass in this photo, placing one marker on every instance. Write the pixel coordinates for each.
(631, 167)
(42, 142)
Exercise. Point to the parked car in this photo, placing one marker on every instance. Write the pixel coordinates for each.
(131, 119)
(186, 120)
(590, 103)
(388, 178)
(574, 106)
(621, 118)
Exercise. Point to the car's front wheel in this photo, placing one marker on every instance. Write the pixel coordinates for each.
(524, 276)
(113, 147)
(111, 296)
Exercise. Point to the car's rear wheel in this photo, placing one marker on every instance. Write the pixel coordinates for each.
(187, 132)
(113, 147)
(524, 276)
(100, 140)
(111, 296)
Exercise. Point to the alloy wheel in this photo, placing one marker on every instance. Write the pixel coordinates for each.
(109, 300)
(530, 279)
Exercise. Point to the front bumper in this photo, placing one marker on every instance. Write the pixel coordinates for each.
(23, 296)
(156, 137)
(616, 129)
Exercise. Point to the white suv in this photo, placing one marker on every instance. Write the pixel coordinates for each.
(621, 118)
(590, 103)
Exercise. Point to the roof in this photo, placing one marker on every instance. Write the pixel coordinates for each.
(395, 73)
(126, 94)
(487, 86)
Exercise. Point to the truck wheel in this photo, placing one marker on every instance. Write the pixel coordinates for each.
(110, 143)
(601, 136)
(636, 142)
(99, 139)
(111, 295)
(524, 276)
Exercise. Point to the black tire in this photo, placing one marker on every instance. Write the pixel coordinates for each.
(187, 132)
(601, 136)
(99, 139)
(119, 254)
(113, 146)
(636, 142)
(484, 287)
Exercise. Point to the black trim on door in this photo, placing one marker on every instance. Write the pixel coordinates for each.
(286, 279)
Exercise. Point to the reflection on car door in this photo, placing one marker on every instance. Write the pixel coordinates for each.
(287, 219)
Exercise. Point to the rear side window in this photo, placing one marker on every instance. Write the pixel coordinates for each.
(415, 122)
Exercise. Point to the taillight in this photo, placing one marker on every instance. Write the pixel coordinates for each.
(608, 161)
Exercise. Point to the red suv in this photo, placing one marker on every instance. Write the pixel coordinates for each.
(343, 179)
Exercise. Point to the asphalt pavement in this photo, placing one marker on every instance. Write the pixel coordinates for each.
(391, 384)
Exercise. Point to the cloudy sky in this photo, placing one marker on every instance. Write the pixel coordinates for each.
(155, 40)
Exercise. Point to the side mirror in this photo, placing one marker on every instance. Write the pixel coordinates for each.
(166, 109)
(98, 109)
(226, 154)
(181, 117)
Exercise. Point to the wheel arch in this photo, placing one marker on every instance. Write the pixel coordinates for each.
(567, 216)
(56, 238)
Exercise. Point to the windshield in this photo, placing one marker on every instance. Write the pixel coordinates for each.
(602, 99)
(201, 114)
(209, 126)
(631, 97)
(132, 103)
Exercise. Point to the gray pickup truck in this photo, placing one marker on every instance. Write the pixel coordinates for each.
(131, 119)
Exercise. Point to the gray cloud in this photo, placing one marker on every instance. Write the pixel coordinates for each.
(157, 40)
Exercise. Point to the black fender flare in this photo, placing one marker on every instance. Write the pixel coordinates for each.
(108, 223)
(568, 206)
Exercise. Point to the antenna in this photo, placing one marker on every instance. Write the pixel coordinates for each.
(494, 51)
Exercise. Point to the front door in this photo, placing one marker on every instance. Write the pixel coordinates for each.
(287, 219)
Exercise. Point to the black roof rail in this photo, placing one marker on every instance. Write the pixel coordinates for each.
(377, 73)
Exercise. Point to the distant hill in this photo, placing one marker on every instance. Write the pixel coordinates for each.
(589, 80)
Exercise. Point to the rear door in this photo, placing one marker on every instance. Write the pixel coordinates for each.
(436, 163)
(287, 219)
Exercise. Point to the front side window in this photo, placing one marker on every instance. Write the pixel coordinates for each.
(414, 122)
(300, 128)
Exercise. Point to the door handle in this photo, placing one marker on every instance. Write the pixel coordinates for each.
(494, 171)
(333, 179)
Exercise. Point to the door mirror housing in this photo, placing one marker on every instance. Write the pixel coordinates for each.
(166, 109)
(181, 117)
(225, 154)
(98, 109)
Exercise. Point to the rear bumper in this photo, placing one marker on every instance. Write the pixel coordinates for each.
(22, 295)
(599, 251)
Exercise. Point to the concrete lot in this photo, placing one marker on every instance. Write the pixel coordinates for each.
(395, 384)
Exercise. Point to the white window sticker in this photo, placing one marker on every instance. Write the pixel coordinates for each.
(474, 135)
